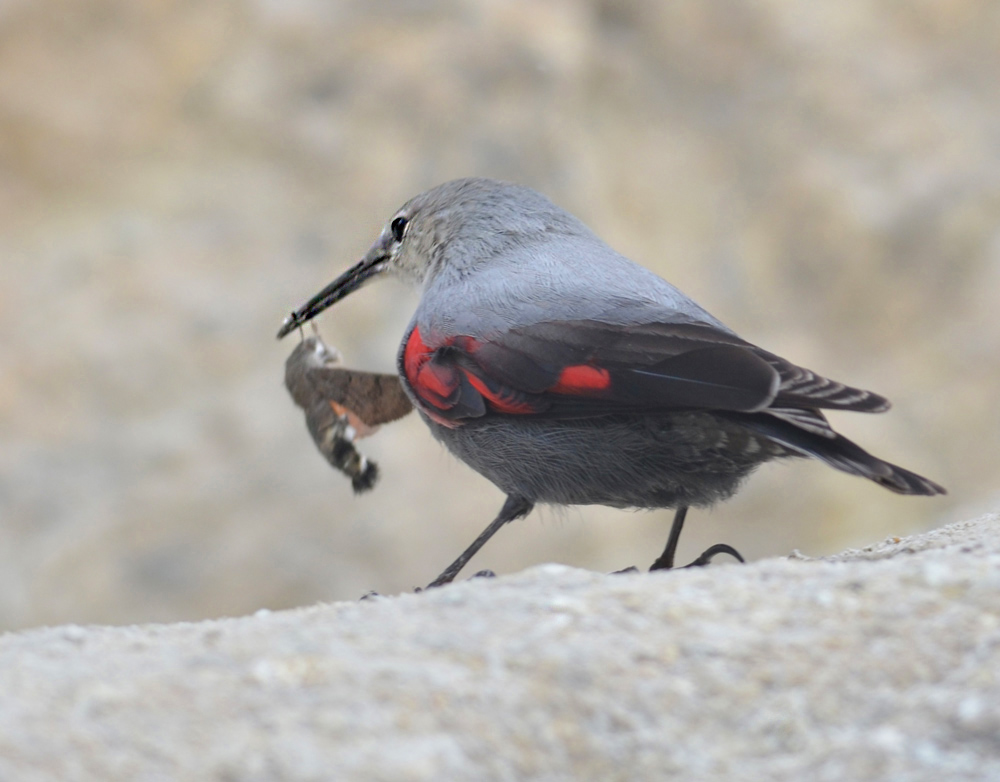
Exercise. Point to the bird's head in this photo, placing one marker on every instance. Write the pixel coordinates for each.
(453, 228)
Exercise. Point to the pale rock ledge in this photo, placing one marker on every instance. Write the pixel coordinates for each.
(880, 664)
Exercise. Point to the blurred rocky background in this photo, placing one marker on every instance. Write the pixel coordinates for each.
(175, 176)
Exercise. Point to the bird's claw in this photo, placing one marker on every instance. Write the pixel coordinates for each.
(713, 551)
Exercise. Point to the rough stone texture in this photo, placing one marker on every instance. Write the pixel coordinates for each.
(876, 664)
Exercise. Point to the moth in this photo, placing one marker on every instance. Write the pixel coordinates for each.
(342, 405)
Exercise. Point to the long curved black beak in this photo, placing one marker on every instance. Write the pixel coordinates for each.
(372, 264)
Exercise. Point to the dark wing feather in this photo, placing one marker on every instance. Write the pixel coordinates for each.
(804, 418)
(803, 387)
(655, 366)
(651, 343)
(717, 377)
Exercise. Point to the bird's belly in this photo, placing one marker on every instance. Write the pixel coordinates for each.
(623, 461)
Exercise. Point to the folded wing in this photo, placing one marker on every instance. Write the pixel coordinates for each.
(588, 368)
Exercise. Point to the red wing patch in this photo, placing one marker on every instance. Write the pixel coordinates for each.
(582, 379)
(437, 382)
(500, 399)
(415, 356)
(452, 385)
(456, 381)
(433, 381)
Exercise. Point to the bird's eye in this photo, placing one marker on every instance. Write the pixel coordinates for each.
(398, 227)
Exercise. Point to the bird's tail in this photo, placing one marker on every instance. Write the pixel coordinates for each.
(843, 454)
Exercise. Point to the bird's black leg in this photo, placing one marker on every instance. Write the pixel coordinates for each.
(513, 508)
(666, 560)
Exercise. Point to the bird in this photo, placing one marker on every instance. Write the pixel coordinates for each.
(567, 374)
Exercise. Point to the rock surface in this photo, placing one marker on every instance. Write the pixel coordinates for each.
(882, 663)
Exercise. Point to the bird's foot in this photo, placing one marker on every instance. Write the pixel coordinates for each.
(703, 559)
(624, 571)
(439, 583)
(713, 551)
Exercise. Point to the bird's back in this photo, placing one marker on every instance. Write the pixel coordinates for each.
(561, 275)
